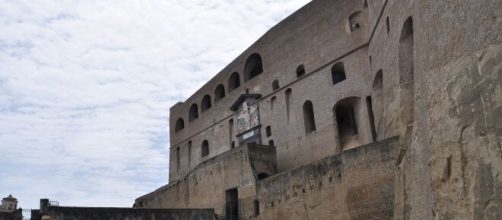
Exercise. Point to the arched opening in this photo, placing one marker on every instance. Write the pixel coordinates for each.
(253, 66)
(365, 5)
(204, 151)
(300, 71)
(234, 81)
(193, 112)
(263, 175)
(219, 92)
(347, 121)
(355, 21)
(338, 73)
(275, 85)
(206, 103)
(308, 117)
(406, 80)
(377, 101)
(180, 125)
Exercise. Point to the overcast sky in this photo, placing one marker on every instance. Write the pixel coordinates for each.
(86, 86)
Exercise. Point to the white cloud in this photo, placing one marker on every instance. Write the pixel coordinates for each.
(86, 86)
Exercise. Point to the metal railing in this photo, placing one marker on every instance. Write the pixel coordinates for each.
(53, 203)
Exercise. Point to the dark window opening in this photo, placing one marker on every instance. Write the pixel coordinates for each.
(231, 132)
(268, 131)
(369, 105)
(206, 103)
(275, 85)
(365, 5)
(387, 25)
(300, 71)
(180, 125)
(219, 93)
(288, 100)
(261, 176)
(308, 117)
(338, 73)
(193, 112)
(204, 148)
(253, 67)
(234, 82)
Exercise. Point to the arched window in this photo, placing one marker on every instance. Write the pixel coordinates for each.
(219, 93)
(308, 117)
(204, 151)
(234, 81)
(253, 67)
(206, 103)
(355, 21)
(275, 85)
(338, 73)
(193, 112)
(300, 71)
(180, 124)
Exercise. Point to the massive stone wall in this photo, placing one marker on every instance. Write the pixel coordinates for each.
(356, 184)
(426, 71)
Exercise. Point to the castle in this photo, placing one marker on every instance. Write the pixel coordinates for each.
(349, 109)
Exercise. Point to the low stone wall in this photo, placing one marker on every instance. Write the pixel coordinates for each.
(206, 185)
(356, 184)
(82, 213)
(15, 215)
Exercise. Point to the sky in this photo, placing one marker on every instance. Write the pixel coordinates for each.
(86, 87)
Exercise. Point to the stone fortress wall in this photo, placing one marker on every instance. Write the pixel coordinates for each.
(340, 74)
